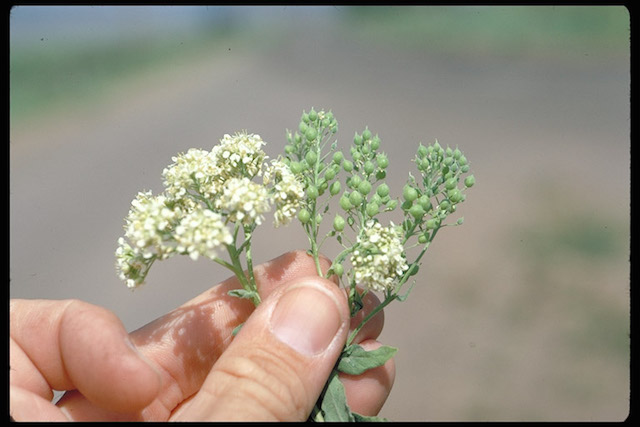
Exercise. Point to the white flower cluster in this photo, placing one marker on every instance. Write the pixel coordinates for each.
(244, 201)
(204, 192)
(287, 194)
(379, 259)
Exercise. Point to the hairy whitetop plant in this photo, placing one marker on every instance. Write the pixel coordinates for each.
(214, 200)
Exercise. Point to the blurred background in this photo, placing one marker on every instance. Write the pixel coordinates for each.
(520, 314)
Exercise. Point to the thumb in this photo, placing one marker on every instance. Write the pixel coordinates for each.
(278, 364)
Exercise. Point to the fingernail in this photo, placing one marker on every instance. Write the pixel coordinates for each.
(306, 319)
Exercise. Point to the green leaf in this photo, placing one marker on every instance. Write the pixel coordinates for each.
(237, 329)
(355, 360)
(334, 401)
(242, 293)
(366, 419)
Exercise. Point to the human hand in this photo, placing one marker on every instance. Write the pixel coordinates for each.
(185, 365)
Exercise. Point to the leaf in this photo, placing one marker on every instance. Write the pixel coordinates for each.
(334, 401)
(237, 329)
(356, 360)
(242, 293)
(366, 418)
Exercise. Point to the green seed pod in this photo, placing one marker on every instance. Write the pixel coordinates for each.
(311, 134)
(338, 157)
(357, 156)
(455, 195)
(444, 205)
(355, 198)
(330, 174)
(413, 270)
(460, 220)
(318, 219)
(409, 193)
(297, 138)
(462, 161)
(354, 181)
(369, 167)
(432, 224)
(365, 149)
(456, 154)
(372, 209)
(451, 183)
(338, 223)
(376, 199)
(469, 181)
(312, 192)
(464, 168)
(311, 157)
(302, 127)
(422, 151)
(425, 202)
(416, 211)
(383, 190)
(345, 203)
(326, 122)
(305, 117)
(296, 167)
(304, 216)
(364, 187)
(449, 151)
(338, 270)
(313, 115)
(335, 188)
(289, 149)
(382, 160)
(347, 166)
(366, 134)
(375, 142)
(422, 239)
(357, 139)
(380, 174)
(391, 204)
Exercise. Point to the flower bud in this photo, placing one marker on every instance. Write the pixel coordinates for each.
(338, 223)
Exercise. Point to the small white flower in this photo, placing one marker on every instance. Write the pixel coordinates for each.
(379, 260)
(200, 232)
(195, 170)
(240, 155)
(244, 200)
(287, 191)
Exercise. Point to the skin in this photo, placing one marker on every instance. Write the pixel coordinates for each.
(186, 365)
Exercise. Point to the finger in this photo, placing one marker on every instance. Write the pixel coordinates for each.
(367, 392)
(184, 343)
(373, 327)
(76, 345)
(28, 406)
(278, 364)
